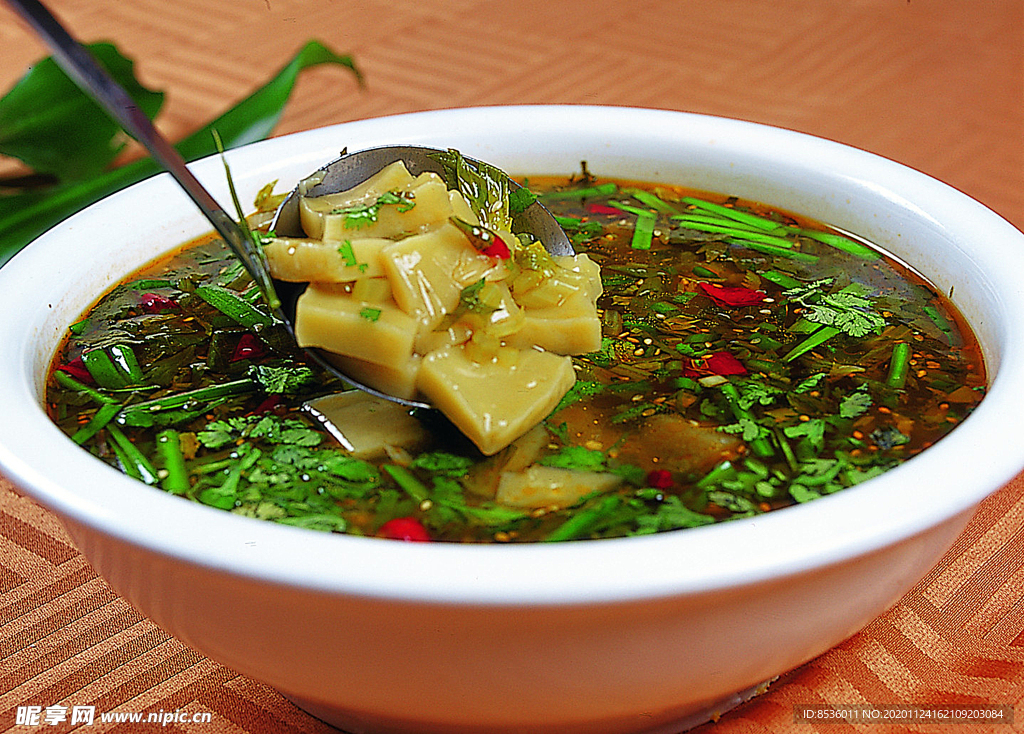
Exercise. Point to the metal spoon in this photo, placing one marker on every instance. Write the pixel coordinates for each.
(352, 169)
(342, 174)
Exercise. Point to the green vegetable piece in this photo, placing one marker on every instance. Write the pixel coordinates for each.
(653, 201)
(485, 187)
(443, 463)
(65, 380)
(752, 235)
(730, 213)
(843, 243)
(671, 514)
(579, 525)
(588, 192)
(519, 200)
(701, 272)
(899, 365)
(758, 444)
(135, 463)
(363, 215)
(815, 340)
(323, 522)
(168, 447)
(280, 379)
(231, 304)
(643, 231)
(939, 320)
(408, 481)
(855, 404)
(781, 279)
(576, 457)
(102, 416)
(113, 368)
(141, 414)
(767, 249)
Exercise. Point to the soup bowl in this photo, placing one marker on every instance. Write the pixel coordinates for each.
(652, 633)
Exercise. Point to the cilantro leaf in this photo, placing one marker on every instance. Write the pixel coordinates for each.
(519, 199)
(748, 429)
(576, 457)
(888, 436)
(848, 310)
(217, 435)
(855, 403)
(580, 390)
(285, 378)
(813, 431)
(809, 383)
(443, 463)
(756, 392)
(671, 514)
(358, 216)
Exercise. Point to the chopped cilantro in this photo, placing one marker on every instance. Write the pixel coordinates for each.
(369, 313)
(747, 428)
(282, 378)
(671, 514)
(809, 383)
(470, 298)
(888, 436)
(576, 457)
(813, 431)
(348, 256)
(580, 390)
(443, 463)
(363, 215)
(519, 199)
(855, 403)
(847, 310)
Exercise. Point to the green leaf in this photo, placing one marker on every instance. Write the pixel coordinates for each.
(47, 122)
(443, 463)
(485, 187)
(576, 457)
(672, 514)
(280, 379)
(855, 403)
(26, 215)
(813, 430)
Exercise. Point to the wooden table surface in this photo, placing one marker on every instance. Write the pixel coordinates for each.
(935, 84)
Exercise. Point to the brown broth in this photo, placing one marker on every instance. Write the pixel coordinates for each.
(694, 401)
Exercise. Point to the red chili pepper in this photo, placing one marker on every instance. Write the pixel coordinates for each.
(76, 368)
(723, 363)
(659, 478)
(248, 347)
(483, 239)
(155, 303)
(719, 363)
(404, 528)
(269, 404)
(604, 209)
(732, 296)
(497, 249)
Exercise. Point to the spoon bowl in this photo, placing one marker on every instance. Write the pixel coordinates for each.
(352, 169)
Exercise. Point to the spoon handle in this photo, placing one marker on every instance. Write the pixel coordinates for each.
(83, 69)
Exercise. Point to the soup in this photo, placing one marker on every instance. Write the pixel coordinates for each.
(750, 359)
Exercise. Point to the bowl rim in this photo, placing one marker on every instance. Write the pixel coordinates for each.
(931, 489)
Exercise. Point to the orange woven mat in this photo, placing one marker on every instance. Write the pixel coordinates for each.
(935, 84)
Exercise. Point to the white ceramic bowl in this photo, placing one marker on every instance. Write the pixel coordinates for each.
(641, 634)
